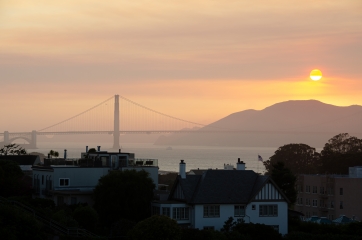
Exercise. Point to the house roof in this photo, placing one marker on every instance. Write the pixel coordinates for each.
(21, 159)
(221, 186)
(197, 171)
(343, 219)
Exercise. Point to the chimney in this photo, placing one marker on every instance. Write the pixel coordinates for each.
(86, 149)
(240, 165)
(182, 171)
(65, 153)
(99, 148)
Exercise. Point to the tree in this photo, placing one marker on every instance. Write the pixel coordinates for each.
(10, 178)
(17, 224)
(86, 216)
(12, 149)
(339, 153)
(53, 153)
(285, 180)
(156, 228)
(341, 144)
(299, 158)
(123, 194)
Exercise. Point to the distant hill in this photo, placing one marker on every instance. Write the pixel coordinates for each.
(302, 121)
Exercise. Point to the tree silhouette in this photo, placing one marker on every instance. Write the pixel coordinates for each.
(12, 149)
(339, 153)
(299, 158)
(285, 180)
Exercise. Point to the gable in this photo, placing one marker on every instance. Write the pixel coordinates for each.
(269, 192)
(178, 192)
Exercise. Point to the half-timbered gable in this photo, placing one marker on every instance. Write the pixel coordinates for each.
(269, 192)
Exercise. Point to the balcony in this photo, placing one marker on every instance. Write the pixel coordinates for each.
(148, 162)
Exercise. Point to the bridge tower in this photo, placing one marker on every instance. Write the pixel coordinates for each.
(6, 138)
(116, 123)
(33, 139)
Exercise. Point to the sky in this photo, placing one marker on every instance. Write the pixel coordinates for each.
(197, 60)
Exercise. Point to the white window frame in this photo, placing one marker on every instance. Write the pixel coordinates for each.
(181, 213)
(239, 210)
(64, 185)
(166, 211)
(211, 211)
(268, 210)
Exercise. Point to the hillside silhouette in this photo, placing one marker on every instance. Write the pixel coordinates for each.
(300, 121)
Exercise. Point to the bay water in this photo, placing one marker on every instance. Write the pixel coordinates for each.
(202, 157)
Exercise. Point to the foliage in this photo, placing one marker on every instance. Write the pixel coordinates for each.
(122, 227)
(299, 158)
(12, 149)
(11, 176)
(156, 228)
(310, 236)
(196, 234)
(53, 153)
(87, 217)
(285, 180)
(341, 144)
(240, 230)
(65, 218)
(341, 152)
(257, 231)
(123, 194)
(16, 224)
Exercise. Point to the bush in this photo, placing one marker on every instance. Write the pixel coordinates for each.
(156, 228)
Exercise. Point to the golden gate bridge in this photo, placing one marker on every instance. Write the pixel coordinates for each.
(116, 115)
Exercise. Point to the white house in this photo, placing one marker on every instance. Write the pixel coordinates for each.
(72, 181)
(207, 200)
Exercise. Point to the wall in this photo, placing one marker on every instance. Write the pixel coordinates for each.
(227, 211)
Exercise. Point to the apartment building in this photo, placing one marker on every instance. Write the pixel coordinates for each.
(331, 196)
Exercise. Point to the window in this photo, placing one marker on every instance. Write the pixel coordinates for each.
(341, 205)
(307, 188)
(239, 211)
(341, 191)
(321, 190)
(166, 211)
(180, 213)
(268, 210)
(332, 204)
(300, 201)
(307, 201)
(211, 211)
(42, 179)
(315, 189)
(300, 188)
(63, 182)
(315, 203)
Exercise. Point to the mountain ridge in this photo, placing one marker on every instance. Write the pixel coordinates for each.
(311, 121)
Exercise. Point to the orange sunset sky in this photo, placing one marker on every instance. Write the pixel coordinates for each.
(198, 60)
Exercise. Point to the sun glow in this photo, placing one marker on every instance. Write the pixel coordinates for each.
(315, 75)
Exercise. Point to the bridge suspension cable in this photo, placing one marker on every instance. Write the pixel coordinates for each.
(86, 111)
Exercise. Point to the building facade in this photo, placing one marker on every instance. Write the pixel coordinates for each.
(72, 181)
(330, 196)
(207, 200)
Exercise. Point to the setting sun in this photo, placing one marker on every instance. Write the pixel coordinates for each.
(315, 75)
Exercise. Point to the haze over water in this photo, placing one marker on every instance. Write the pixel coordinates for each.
(203, 157)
